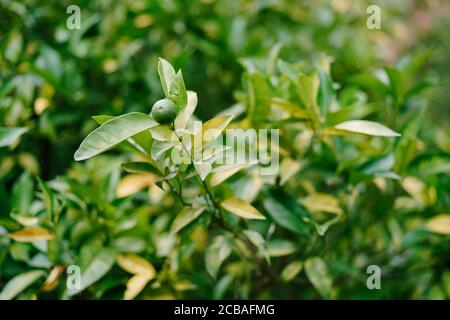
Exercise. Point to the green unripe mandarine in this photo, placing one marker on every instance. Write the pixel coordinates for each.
(164, 111)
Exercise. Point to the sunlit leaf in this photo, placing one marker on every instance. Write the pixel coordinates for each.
(135, 285)
(112, 132)
(185, 217)
(30, 234)
(216, 254)
(439, 224)
(241, 208)
(133, 183)
(9, 136)
(316, 202)
(366, 127)
(95, 270)
(19, 283)
(135, 264)
(291, 270)
(317, 273)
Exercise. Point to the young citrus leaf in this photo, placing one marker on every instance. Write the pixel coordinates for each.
(288, 168)
(241, 208)
(317, 273)
(185, 217)
(308, 87)
(211, 129)
(30, 234)
(326, 91)
(273, 58)
(129, 244)
(140, 167)
(141, 141)
(95, 270)
(322, 202)
(112, 132)
(166, 75)
(133, 183)
(53, 278)
(159, 148)
(101, 119)
(203, 169)
(280, 248)
(135, 285)
(288, 70)
(9, 136)
(22, 194)
(286, 212)
(185, 115)
(439, 224)
(291, 270)
(216, 254)
(25, 220)
(177, 91)
(49, 200)
(19, 283)
(219, 177)
(163, 133)
(135, 264)
(366, 127)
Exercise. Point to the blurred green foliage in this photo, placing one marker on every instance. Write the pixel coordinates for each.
(341, 202)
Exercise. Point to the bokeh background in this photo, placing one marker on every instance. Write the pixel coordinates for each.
(52, 79)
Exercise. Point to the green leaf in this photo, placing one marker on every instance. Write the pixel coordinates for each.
(30, 234)
(280, 248)
(166, 75)
(183, 117)
(139, 167)
(22, 194)
(317, 273)
(366, 127)
(211, 129)
(185, 217)
(273, 58)
(241, 208)
(101, 119)
(49, 200)
(19, 283)
(439, 224)
(95, 270)
(291, 270)
(216, 254)
(286, 212)
(9, 136)
(113, 132)
(177, 91)
(326, 91)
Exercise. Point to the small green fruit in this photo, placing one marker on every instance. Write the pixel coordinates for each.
(164, 111)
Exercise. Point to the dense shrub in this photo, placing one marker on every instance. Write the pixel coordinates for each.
(363, 151)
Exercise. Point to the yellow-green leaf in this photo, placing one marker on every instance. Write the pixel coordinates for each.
(135, 264)
(291, 270)
(135, 285)
(30, 234)
(113, 132)
(322, 202)
(219, 177)
(366, 127)
(241, 208)
(186, 216)
(317, 273)
(439, 224)
(288, 168)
